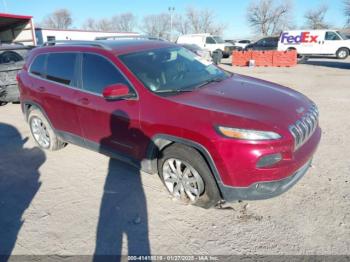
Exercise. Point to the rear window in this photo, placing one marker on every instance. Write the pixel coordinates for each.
(61, 68)
(38, 66)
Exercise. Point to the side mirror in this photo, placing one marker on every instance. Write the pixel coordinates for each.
(117, 92)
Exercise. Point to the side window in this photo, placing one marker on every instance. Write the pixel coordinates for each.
(61, 68)
(331, 36)
(262, 42)
(38, 66)
(98, 72)
(51, 38)
(210, 40)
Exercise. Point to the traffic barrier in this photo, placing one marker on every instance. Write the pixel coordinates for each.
(241, 58)
(285, 58)
(263, 58)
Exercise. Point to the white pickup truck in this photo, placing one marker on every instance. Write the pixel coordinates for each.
(315, 43)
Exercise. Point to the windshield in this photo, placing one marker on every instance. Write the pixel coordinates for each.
(342, 35)
(174, 69)
(219, 40)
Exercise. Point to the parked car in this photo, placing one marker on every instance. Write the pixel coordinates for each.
(266, 43)
(11, 61)
(242, 43)
(309, 43)
(198, 51)
(209, 42)
(209, 134)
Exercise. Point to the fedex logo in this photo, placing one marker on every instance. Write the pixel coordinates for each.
(304, 37)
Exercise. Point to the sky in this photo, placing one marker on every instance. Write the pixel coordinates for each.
(232, 13)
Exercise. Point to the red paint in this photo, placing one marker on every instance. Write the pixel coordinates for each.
(240, 101)
(115, 91)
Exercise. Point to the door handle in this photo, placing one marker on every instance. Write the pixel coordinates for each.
(84, 101)
(41, 89)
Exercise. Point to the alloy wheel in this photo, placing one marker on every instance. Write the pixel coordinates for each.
(182, 180)
(40, 132)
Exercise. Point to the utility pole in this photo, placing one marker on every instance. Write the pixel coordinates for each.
(171, 11)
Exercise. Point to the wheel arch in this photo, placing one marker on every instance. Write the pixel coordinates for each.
(343, 47)
(160, 141)
(28, 105)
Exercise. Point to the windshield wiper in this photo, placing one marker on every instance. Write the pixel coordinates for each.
(173, 91)
(212, 80)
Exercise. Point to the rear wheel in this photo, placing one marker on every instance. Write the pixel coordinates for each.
(42, 131)
(187, 176)
(342, 53)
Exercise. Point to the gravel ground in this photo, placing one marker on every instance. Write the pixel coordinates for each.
(76, 201)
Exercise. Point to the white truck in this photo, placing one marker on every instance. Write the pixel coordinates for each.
(207, 42)
(315, 43)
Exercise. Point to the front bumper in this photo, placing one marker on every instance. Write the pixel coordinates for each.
(264, 190)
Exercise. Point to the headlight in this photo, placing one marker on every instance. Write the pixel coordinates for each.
(247, 134)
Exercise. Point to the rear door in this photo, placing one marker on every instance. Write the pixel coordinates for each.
(107, 125)
(56, 88)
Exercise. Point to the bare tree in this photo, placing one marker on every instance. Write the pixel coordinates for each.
(157, 25)
(203, 21)
(124, 22)
(315, 18)
(90, 24)
(347, 12)
(59, 19)
(268, 17)
(181, 25)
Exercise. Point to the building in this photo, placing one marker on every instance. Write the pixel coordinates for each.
(45, 35)
(17, 28)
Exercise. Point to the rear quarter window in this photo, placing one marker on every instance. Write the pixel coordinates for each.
(38, 65)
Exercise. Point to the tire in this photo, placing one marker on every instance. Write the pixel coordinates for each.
(302, 59)
(342, 53)
(42, 132)
(199, 177)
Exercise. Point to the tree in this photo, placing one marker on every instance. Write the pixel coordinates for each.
(347, 12)
(203, 21)
(181, 25)
(59, 19)
(157, 25)
(124, 22)
(315, 18)
(90, 24)
(267, 17)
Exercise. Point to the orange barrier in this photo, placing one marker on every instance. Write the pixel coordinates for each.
(286, 58)
(265, 58)
(241, 58)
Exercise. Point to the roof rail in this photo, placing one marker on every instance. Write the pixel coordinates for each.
(77, 43)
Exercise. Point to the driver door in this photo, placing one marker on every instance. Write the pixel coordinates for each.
(107, 125)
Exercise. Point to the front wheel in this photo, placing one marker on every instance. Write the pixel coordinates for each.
(342, 53)
(187, 176)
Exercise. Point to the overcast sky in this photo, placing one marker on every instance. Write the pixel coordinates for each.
(230, 12)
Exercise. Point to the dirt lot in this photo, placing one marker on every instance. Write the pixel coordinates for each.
(67, 209)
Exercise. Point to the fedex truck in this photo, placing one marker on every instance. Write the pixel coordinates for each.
(315, 43)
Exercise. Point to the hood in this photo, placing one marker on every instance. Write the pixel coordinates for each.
(250, 99)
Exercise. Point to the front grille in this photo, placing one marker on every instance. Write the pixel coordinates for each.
(303, 128)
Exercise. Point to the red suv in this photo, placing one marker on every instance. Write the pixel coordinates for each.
(209, 134)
